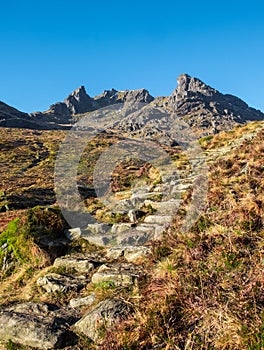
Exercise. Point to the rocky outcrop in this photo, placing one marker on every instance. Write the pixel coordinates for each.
(109, 97)
(79, 103)
(37, 325)
(76, 103)
(204, 107)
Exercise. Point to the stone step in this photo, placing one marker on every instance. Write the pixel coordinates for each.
(158, 219)
(154, 230)
(80, 264)
(120, 275)
(102, 316)
(101, 240)
(169, 207)
(119, 228)
(146, 195)
(135, 237)
(130, 253)
(136, 201)
(53, 282)
(98, 228)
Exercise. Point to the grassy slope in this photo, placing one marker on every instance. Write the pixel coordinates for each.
(204, 289)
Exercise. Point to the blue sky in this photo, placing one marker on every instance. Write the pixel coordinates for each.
(49, 48)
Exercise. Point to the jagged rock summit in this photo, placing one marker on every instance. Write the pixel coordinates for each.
(189, 86)
(79, 102)
(76, 103)
(204, 107)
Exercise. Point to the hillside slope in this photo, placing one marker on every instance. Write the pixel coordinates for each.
(202, 289)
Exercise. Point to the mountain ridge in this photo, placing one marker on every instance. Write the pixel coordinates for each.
(196, 103)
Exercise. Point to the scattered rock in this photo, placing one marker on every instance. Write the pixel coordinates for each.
(102, 317)
(85, 301)
(119, 275)
(80, 264)
(53, 282)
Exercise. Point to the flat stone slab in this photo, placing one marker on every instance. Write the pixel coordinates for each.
(146, 195)
(98, 228)
(148, 228)
(158, 219)
(130, 253)
(182, 186)
(103, 240)
(169, 207)
(134, 237)
(81, 265)
(85, 301)
(119, 228)
(118, 274)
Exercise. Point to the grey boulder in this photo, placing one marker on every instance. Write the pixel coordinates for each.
(102, 317)
(34, 325)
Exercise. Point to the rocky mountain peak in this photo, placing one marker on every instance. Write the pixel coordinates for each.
(113, 96)
(189, 86)
(108, 93)
(141, 96)
(78, 93)
(203, 107)
(79, 101)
